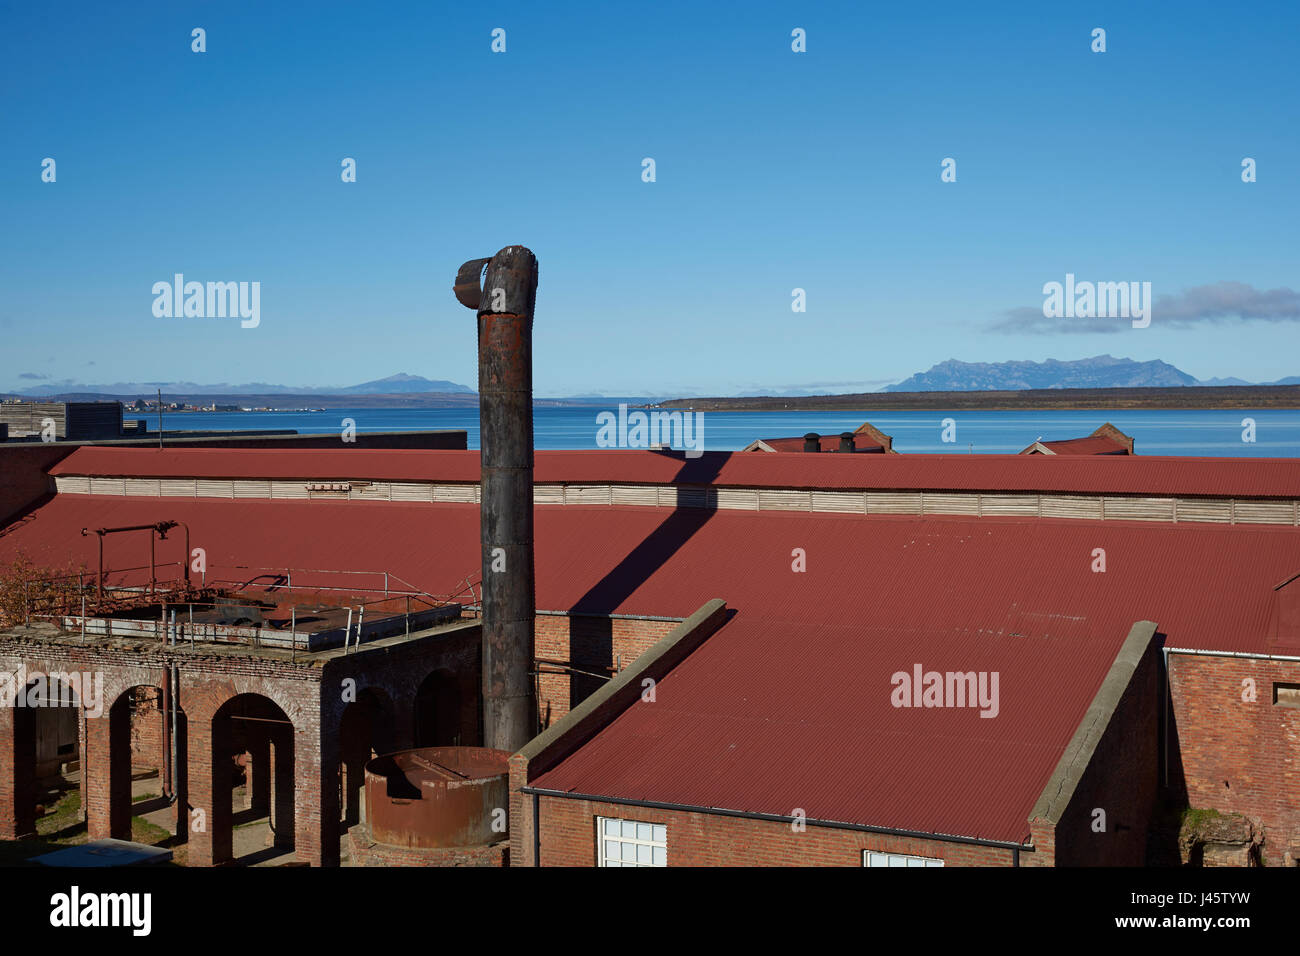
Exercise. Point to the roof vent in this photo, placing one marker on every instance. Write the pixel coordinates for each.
(812, 442)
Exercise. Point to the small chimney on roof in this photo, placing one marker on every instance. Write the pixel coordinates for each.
(846, 441)
(812, 442)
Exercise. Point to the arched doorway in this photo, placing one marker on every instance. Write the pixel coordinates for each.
(148, 761)
(252, 780)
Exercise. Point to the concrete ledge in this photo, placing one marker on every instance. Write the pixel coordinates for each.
(1058, 793)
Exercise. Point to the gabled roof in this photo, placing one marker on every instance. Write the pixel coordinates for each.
(866, 438)
(1106, 440)
(826, 443)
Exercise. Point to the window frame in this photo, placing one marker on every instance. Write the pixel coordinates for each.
(602, 860)
(925, 861)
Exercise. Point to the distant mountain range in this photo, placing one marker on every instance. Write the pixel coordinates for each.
(398, 384)
(1100, 371)
(405, 390)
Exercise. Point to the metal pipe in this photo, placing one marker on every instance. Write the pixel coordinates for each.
(176, 767)
(537, 830)
(505, 303)
(167, 732)
(347, 631)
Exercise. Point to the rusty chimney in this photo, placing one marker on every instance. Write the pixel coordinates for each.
(812, 442)
(504, 302)
(846, 441)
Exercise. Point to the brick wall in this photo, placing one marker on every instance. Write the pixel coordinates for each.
(1235, 755)
(364, 851)
(591, 644)
(568, 829)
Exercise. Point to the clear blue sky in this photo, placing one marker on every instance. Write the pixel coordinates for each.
(775, 170)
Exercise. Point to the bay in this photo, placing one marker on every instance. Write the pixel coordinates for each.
(1216, 432)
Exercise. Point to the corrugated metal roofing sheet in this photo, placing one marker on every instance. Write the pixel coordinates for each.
(1097, 474)
(1091, 445)
(1208, 586)
(777, 716)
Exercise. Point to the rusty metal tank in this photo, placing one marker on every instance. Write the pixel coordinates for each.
(438, 797)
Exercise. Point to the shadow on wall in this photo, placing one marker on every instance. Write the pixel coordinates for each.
(592, 640)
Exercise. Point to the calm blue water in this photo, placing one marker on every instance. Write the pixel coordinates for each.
(1158, 432)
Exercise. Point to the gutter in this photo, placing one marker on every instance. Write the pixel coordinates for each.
(537, 793)
(1249, 654)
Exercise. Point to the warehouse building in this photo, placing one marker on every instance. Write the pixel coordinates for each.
(906, 660)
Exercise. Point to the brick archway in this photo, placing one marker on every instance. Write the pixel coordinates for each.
(243, 723)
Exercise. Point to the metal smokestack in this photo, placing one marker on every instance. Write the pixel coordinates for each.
(812, 442)
(505, 383)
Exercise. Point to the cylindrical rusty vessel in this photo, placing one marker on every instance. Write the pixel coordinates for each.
(434, 797)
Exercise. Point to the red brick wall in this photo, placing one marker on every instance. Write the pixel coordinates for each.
(701, 839)
(1238, 756)
(147, 729)
(592, 644)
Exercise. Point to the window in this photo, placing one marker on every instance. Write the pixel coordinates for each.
(1286, 695)
(630, 843)
(872, 858)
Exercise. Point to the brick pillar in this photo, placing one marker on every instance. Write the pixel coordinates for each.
(318, 809)
(17, 773)
(282, 785)
(209, 784)
(106, 774)
(521, 814)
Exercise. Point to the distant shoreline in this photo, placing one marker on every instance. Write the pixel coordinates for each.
(1189, 397)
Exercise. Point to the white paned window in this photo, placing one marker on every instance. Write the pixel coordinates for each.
(630, 843)
(872, 858)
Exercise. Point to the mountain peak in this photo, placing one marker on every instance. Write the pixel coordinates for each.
(1100, 371)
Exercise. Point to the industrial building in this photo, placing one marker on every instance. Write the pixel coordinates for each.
(985, 564)
(638, 658)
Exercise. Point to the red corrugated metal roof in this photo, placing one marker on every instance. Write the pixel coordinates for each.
(1099, 474)
(1209, 586)
(769, 716)
(1092, 445)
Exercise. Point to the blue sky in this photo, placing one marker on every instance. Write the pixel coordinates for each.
(775, 170)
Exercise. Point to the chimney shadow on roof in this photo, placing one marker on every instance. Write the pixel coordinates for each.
(696, 504)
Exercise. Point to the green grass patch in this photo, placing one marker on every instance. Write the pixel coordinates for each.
(1197, 818)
